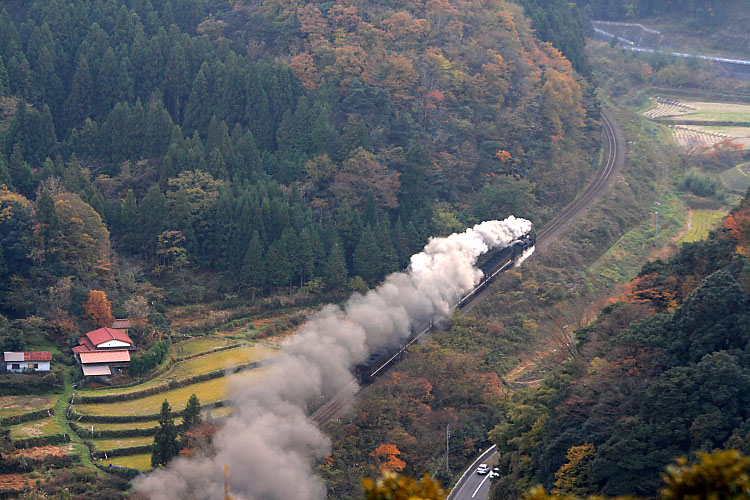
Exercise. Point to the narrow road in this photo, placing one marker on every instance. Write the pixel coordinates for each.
(472, 486)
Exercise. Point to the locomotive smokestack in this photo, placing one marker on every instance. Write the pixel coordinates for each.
(269, 440)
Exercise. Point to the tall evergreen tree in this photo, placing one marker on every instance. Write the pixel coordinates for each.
(191, 417)
(367, 257)
(78, 105)
(335, 272)
(165, 440)
(253, 273)
(4, 85)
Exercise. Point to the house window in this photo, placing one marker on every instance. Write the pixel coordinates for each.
(16, 366)
(35, 366)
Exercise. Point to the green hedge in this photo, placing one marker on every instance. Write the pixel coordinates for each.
(27, 417)
(124, 419)
(149, 360)
(41, 441)
(112, 433)
(21, 384)
(172, 384)
(124, 472)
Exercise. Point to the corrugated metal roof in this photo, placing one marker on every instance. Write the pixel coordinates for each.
(96, 369)
(13, 356)
(105, 356)
(37, 356)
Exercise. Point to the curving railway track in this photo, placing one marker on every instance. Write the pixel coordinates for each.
(613, 160)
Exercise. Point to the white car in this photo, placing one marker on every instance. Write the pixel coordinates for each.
(483, 469)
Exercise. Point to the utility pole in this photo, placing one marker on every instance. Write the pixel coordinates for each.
(656, 225)
(447, 446)
(226, 483)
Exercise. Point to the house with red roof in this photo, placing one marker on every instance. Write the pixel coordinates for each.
(104, 352)
(104, 363)
(38, 361)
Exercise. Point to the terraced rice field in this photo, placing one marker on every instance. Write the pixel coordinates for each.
(18, 405)
(37, 428)
(199, 345)
(691, 122)
(218, 360)
(715, 112)
(703, 222)
(151, 424)
(141, 462)
(737, 179)
(125, 442)
(691, 138)
(208, 392)
(667, 109)
(195, 366)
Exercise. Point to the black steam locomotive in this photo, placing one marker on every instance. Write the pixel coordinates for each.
(501, 260)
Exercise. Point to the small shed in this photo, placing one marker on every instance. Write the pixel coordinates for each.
(38, 361)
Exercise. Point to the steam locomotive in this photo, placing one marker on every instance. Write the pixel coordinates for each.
(378, 361)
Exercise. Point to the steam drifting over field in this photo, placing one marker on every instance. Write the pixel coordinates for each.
(269, 443)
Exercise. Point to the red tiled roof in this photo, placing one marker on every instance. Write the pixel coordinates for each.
(105, 356)
(85, 342)
(81, 348)
(37, 356)
(105, 334)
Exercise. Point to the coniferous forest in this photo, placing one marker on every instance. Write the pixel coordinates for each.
(269, 145)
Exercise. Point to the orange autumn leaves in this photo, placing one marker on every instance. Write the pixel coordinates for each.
(387, 456)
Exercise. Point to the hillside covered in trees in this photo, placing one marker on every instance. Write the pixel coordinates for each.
(271, 145)
(662, 373)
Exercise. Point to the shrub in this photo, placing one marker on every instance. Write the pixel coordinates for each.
(699, 183)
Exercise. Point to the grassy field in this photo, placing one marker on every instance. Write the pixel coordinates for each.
(126, 442)
(140, 462)
(703, 222)
(17, 405)
(37, 428)
(737, 179)
(199, 345)
(717, 112)
(209, 391)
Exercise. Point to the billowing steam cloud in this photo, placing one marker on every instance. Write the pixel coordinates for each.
(269, 442)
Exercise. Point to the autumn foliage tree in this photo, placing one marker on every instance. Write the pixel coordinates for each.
(387, 456)
(99, 308)
(393, 487)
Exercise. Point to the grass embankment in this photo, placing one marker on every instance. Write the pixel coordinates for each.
(623, 260)
(737, 179)
(703, 222)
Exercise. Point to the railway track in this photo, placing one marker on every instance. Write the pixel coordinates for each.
(614, 158)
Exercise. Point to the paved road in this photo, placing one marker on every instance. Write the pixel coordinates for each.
(472, 486)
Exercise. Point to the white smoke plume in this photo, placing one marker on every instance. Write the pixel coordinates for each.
(525, 255)
(269, 443)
